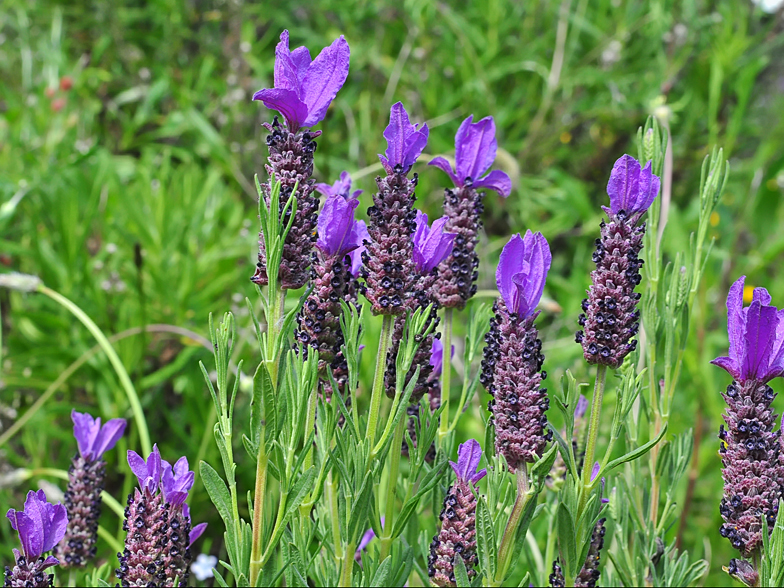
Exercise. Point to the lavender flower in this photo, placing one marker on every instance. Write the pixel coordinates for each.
(457, 535)
(611, 317)
(303, 91)
(41, 526)
(85, 483)
(388, 264)
(752, 460)
(475, 149)
(512, 363)
(157, 522)
(431, 245)
(589, 573)
(319, 320)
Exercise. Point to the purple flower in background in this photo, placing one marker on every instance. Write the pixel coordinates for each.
(469, 455)
(85, 483)
(147, 472)
(337, 229)
(356, 254)
(405, 141)
(581, 408)
(431, 244)
(756, 336)
(342, 187)
(522, 272)
(475, 149)
(40, 525)
(458, 520)
(631, 188)
(93, 439)
(437, 356)
(304, 89)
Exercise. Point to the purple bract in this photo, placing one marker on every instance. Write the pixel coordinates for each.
(437, 356)
(475, 149)
(405, 141)
(431, 244)
(522, 271)
(40, 526)
(93, 439)
(756, 336)
(631, 188)
(468, 456)
(304, 89)
(338, 231)
(342, 187)
(147, 472)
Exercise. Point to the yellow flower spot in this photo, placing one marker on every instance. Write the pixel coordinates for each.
(748, 294)
(714, 219)
(566, 137)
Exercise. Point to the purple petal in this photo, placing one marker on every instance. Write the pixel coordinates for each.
(86, 430)
(437, 356)
(362, 235)
(431, 244)
(368, 536)
(56, 527)
(736, 321)
(468, 456)
(342, 187)
(443, 164)
(301, 59)
(286, 75)
(324, 78)
(108, 436)
(495, 180)
(624, 184)
(196, 532)
(522, 272)
(581, 408)
(728, 365)
(475, 148)
(595, 470)
(337, 234)
(287, 103)
(649, 188)
(760, 329)
(405, 141)
(508, 265)
(48, 562)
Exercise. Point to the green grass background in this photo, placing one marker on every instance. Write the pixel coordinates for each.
(131, 192)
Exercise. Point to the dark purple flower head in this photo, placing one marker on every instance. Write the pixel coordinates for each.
(337, 229)
(437, 356)
(176, 481)
(631, 188)
(431, 244)
(468, 456)
(40, 526)
(405, 141)
(93, 439)
(522, 271)
(147, 472)
(756, 336)
(356, 255)
(304, 89)
(475, 149)
(342, 187)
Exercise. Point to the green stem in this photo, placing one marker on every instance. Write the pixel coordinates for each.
(593, 433)
(394, 464)
(258, 511)
(72, 577)
(310, 423)
(334, 513)
(119, 368)
(506, 547)
(347, 570)
(378, 379)
(446, 374)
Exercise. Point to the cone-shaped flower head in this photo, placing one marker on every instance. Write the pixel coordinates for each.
(611, 318)
(589, 574)
(40, 525)
(93, 439)
(522, 272)
(457, 536)
(85, 484)
(342, 187)
(338, 231)
(475, 149)
(469, 454)
(305, 88)
(756, 336)
(431, 244)
(405, 141)
(631, 188)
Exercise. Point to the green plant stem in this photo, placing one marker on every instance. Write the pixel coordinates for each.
(310, 423)
(378, 379)
(510, 532)
(347, 571)
(394, 464)
(72, 577)
(446, 374)
(258, 511)
(593, 433)
(119, 368)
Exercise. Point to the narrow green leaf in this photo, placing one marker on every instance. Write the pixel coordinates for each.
(485, 538)
(461, 576)
(381, 576)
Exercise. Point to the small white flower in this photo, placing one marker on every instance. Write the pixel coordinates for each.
(202, 567)
(144, 74)
(111, 248)
(769, 6)
(245, 47)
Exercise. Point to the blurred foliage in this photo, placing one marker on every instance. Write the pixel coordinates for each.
(128, 143)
